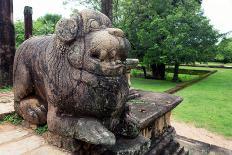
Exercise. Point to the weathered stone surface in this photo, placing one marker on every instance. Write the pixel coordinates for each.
(28, 24)
(22, 146)
(93, 132)
(137, 146)
(7, 42)
(47, 150)
(200, 148)
(150, 106)
(6, 104)
(79, 72)
(6, 109)
(7, 136)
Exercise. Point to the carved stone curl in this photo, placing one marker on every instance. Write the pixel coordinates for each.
(75, 80)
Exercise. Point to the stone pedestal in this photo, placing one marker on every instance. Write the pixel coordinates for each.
(153, 111)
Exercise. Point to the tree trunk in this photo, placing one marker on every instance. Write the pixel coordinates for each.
(7, 42)
(28, 22)
(158, 71)
(176, 72)
(107, 8)
(144, 71)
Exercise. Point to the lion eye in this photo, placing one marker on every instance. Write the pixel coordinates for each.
(94, 24)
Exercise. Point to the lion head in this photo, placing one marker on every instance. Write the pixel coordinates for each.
(91, 61)
(94, 46)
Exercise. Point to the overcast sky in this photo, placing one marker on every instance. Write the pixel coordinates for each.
(218, 11)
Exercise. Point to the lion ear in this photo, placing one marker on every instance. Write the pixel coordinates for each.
(66, 29)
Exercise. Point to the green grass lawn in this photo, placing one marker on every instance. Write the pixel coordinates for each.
(207, 104)
(151, 85)
(159, 85)
(214, 64)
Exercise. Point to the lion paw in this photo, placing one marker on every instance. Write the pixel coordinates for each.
(33, 111)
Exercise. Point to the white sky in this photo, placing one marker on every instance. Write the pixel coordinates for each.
(218, 11)
(42, 7)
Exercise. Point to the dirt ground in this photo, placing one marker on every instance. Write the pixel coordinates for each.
(200, 134)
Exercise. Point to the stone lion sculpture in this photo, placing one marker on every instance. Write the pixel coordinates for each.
(75, 80)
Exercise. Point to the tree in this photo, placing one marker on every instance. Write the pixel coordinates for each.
(225, 50)
(107, 8)
(46, 24)
(42, 26)
(7, 42)
(19, 32)
(163, 32)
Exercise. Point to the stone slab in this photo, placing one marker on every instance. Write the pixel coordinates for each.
(150, 106)
(197, 147)
(47, 150)
(6, 127)
(21, 146)
(137, 146)
(6, 104)
(11, 135)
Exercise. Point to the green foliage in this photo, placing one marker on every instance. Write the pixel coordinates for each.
(163, 32)
(19, 32)
(46, 24)
(13, 118)
(225, 51)
(42, 26)
(41, 129)
(136, 73)
(6, 89)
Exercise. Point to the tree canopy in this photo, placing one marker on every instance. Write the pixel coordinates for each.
(162, 31)
(225, 50)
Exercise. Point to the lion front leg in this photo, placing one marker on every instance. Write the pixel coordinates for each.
(26, 104)
(86, 129)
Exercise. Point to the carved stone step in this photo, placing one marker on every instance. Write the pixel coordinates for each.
(171, 148)
(179, 151)
(137, 146)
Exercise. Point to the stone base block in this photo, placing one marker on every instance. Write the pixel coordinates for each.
(137, 146)
(73, 145)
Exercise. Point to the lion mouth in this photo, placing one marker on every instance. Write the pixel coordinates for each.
(104, 68)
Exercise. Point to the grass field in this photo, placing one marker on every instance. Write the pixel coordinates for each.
(151, 85)
(159, 85)
(207, 104)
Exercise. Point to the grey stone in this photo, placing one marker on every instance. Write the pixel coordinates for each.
(137, 146)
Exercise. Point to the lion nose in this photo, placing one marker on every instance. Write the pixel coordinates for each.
(116, 32)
